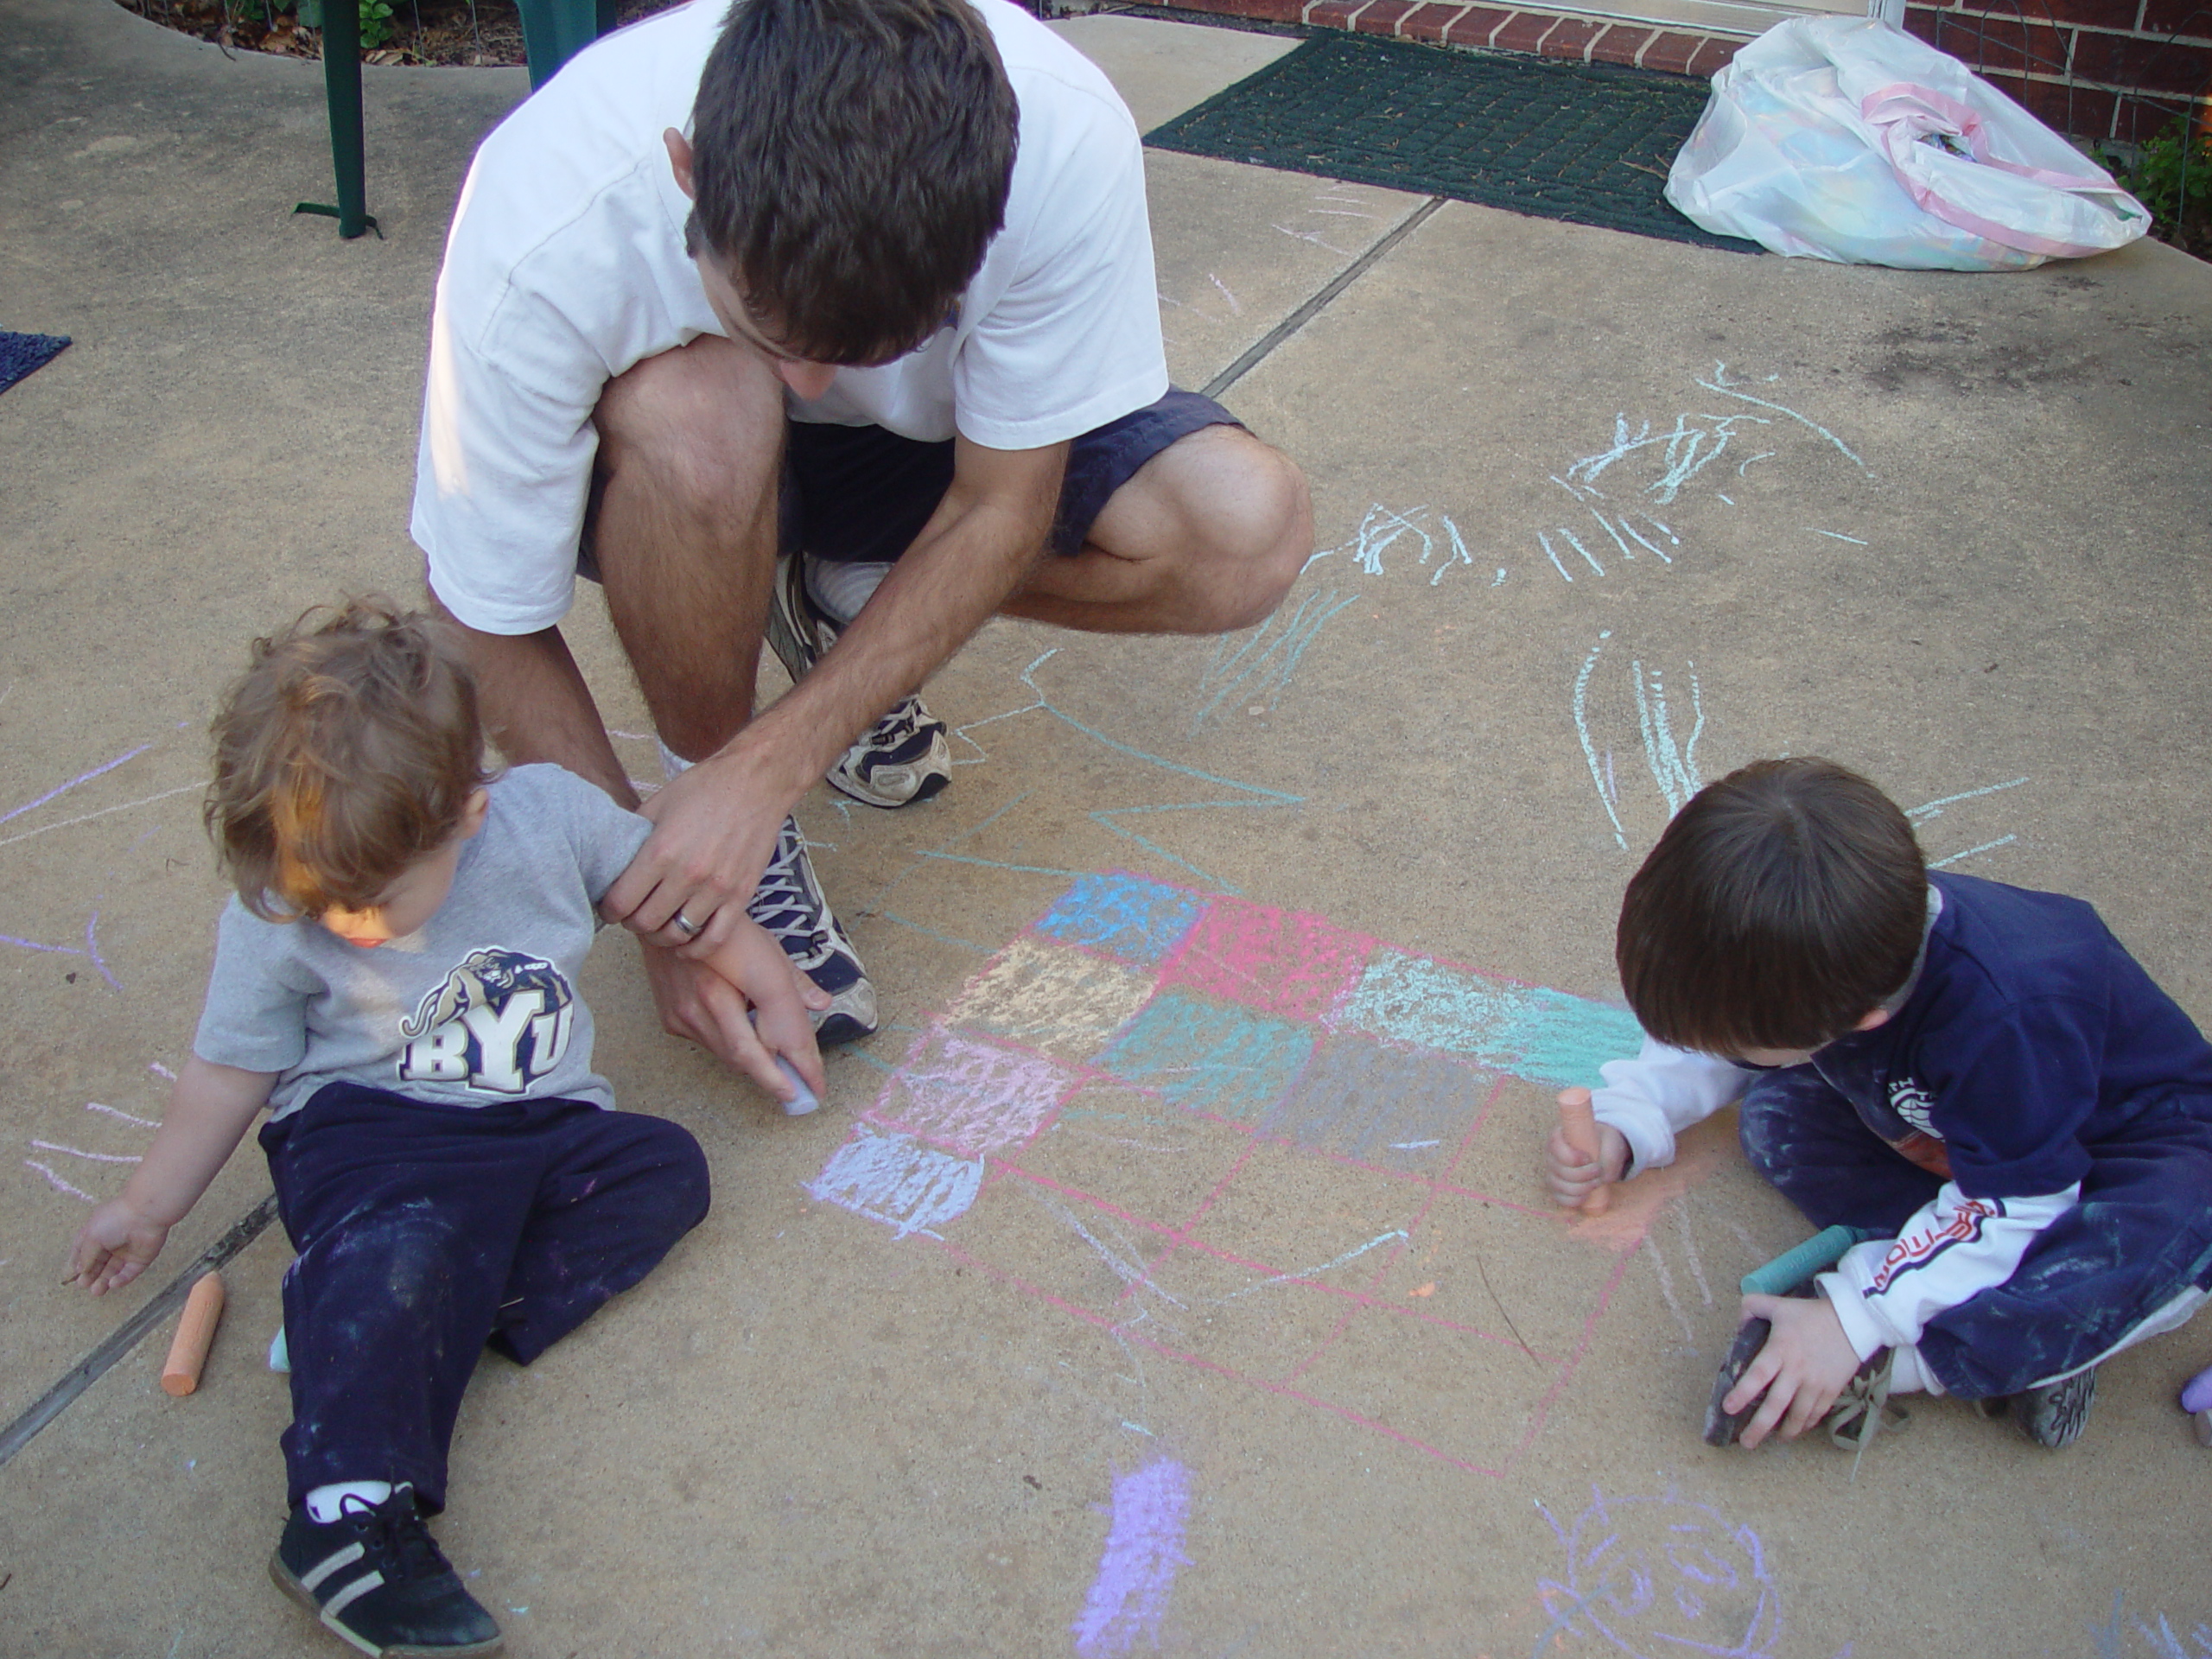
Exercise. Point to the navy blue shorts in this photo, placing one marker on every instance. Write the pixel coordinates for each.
(860, 495)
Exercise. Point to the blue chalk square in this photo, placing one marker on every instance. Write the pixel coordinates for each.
(1137, 920)
(1209, 1057)
(1527, 1031)
(1395, 1108)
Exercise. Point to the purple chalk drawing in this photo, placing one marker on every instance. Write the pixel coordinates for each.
(2112, 1636)
(971, 1095)
(1656, 1576)
(1144, 1548)
(894, 1179)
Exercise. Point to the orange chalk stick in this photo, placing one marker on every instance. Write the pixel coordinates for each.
(1578, 1120)
(195, 1330)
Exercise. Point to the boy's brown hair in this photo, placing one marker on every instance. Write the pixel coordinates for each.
(852, 160)
(1782, 906)
(348, 750)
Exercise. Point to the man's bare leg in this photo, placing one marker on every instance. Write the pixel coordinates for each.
(690, 454)
(690, 451)
(1207, 538)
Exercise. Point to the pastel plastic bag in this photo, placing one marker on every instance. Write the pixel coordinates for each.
(1845, 138)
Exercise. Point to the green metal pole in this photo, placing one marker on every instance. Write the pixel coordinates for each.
(341, 83)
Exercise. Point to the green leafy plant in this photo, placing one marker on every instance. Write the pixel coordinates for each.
(376, 24)
(2171, 174)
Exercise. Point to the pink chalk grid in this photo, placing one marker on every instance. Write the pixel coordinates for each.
(1266, 1159)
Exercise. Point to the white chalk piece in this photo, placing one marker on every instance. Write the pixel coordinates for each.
(280, 1353)
(803, 1101)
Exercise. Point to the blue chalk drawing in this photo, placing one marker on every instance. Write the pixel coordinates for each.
(1270, 653)
(896, 1179)
(1206, 1057)
(1529, 1030)
(1137, 920)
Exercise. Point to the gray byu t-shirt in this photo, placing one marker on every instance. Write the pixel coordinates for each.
(477, 1004)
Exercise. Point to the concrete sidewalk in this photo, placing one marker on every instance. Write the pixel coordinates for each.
(1173, 1270)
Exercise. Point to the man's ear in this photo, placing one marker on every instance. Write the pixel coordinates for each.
(679, 160)
(1874, 1017)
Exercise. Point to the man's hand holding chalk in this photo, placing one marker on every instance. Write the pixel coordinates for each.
(1583, 1158)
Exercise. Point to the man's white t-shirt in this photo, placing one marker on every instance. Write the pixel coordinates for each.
(566, 266)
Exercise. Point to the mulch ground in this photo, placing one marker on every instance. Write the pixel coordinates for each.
(418, 31)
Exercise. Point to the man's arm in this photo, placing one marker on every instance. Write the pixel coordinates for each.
(537, 706)
(716, 824)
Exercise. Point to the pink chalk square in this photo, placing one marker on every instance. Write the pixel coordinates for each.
(969, 1095)
(1281, 962)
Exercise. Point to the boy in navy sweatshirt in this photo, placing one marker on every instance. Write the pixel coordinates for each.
(1981, 1075)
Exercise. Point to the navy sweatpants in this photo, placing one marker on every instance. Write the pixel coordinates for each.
(2140, 1235)
(425, 1231)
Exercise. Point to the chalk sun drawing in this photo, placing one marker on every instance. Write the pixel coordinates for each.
(1655, 1578)
(1245, 1040)
(1672, 761)
(1144, 1551)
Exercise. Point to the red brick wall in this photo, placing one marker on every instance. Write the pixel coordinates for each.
(2093, 68)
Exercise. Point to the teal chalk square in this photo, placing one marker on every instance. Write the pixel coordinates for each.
(1138, 920)
(1209, 1057)
(1529, 1030)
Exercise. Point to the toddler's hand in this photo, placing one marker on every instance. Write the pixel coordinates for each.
(113, 1247)
(1802, 1368)
(1571, 1176)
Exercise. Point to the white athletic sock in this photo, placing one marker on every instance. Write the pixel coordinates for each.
(1909, 1374)
(841, 589)
(326, 1503)
(672, 764)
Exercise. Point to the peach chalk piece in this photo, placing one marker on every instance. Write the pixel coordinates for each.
(1579, 1123)
(195, 1330)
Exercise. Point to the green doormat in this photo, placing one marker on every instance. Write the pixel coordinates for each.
(1590, 143)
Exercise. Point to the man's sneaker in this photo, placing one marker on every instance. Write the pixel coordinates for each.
(1863, 1409)
(375, 1577)
(905, 757)
(2055, 1414)
(790, 904)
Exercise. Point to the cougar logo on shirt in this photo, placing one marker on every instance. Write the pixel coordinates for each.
(499, 1019)
(1914, 1105)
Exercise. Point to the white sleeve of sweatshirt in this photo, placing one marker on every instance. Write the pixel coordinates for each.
(1654, 1097)
(1886, 1290)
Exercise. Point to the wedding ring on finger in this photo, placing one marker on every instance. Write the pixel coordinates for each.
(684, 923)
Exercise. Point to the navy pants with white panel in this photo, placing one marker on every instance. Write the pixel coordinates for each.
(425, 1232)
(2140, 1236)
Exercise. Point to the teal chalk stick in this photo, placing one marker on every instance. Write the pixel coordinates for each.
(1794, 1266)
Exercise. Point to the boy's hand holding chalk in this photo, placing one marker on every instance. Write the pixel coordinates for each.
(1583, 1157)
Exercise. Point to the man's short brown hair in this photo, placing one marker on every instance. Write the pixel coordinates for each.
(348, 750)
(1782, 906)
(851, 159)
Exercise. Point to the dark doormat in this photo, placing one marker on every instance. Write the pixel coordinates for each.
(1590, 143)
(21, 354)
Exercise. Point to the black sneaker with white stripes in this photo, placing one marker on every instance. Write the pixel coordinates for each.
(375, 1577)
(905, 757)
(790, 904)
